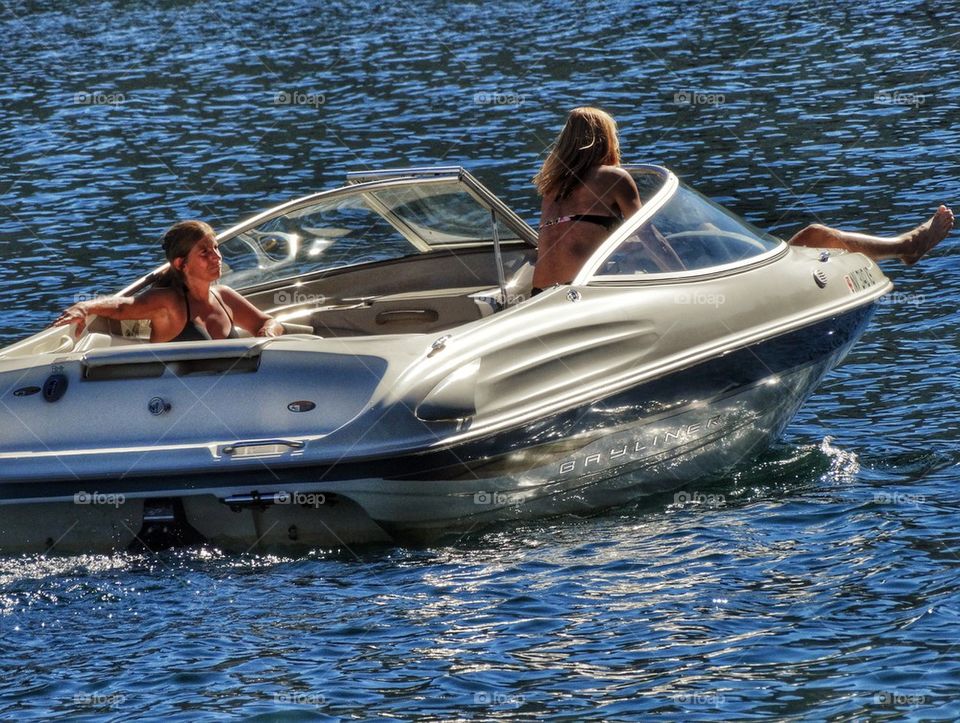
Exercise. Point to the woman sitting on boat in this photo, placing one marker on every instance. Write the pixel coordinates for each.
(183, 305)
(586, 195)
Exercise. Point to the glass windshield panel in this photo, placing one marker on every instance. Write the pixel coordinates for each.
(366, 226)
(689, 233)
(441, 215)
(333, 232)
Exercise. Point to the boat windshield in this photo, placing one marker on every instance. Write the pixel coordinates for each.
(688, 233)
(359, 225)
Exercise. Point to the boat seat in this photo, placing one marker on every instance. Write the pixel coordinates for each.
(290, 328)
(99, 340)
(93, 340)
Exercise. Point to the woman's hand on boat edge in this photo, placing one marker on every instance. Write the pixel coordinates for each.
(76, 314)
(271, 327)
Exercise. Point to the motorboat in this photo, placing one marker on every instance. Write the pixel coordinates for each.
(420, 389)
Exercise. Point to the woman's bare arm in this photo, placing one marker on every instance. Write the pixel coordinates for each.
(151, 305)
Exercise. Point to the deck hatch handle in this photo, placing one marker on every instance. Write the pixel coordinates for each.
(262, 447)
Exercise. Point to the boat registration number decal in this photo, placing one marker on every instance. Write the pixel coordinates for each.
(860, 279)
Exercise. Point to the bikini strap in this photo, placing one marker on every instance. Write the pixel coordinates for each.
(223, 306)
(554, 222)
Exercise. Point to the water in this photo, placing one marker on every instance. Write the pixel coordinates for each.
(818, 583)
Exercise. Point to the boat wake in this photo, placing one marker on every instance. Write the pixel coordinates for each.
(844, 465)
(787, 469)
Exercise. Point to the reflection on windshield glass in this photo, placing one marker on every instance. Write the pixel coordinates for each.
(441, 215)
(361, 227)
(689, 233)
(336, 232)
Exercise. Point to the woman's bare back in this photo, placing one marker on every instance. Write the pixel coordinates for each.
(564, 246)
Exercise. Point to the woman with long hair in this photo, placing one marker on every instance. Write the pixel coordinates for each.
(183, 305)
(586, 195)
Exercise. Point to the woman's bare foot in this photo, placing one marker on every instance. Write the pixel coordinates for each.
(924, 237)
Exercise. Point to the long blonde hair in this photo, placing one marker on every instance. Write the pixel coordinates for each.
(588, 139)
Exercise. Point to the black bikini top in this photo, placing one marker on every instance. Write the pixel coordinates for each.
(194, 331)
(608, 222)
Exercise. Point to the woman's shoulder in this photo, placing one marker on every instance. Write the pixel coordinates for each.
(610, 173)
(227, 294)
(610, 181)
(161, 294)
(162, 299)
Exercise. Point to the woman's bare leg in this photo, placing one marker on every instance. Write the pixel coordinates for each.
(909, 247)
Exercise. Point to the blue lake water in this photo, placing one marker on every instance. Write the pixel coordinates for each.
(819, 582)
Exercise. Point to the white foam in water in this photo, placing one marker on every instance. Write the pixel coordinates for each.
(844, 465)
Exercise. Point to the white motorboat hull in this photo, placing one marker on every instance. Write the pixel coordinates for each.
(664, 435)
(425, 402)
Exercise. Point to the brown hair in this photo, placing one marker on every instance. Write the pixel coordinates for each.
(177, 242)
(588, 139)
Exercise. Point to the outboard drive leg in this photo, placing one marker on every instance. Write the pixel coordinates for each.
(164, 526)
